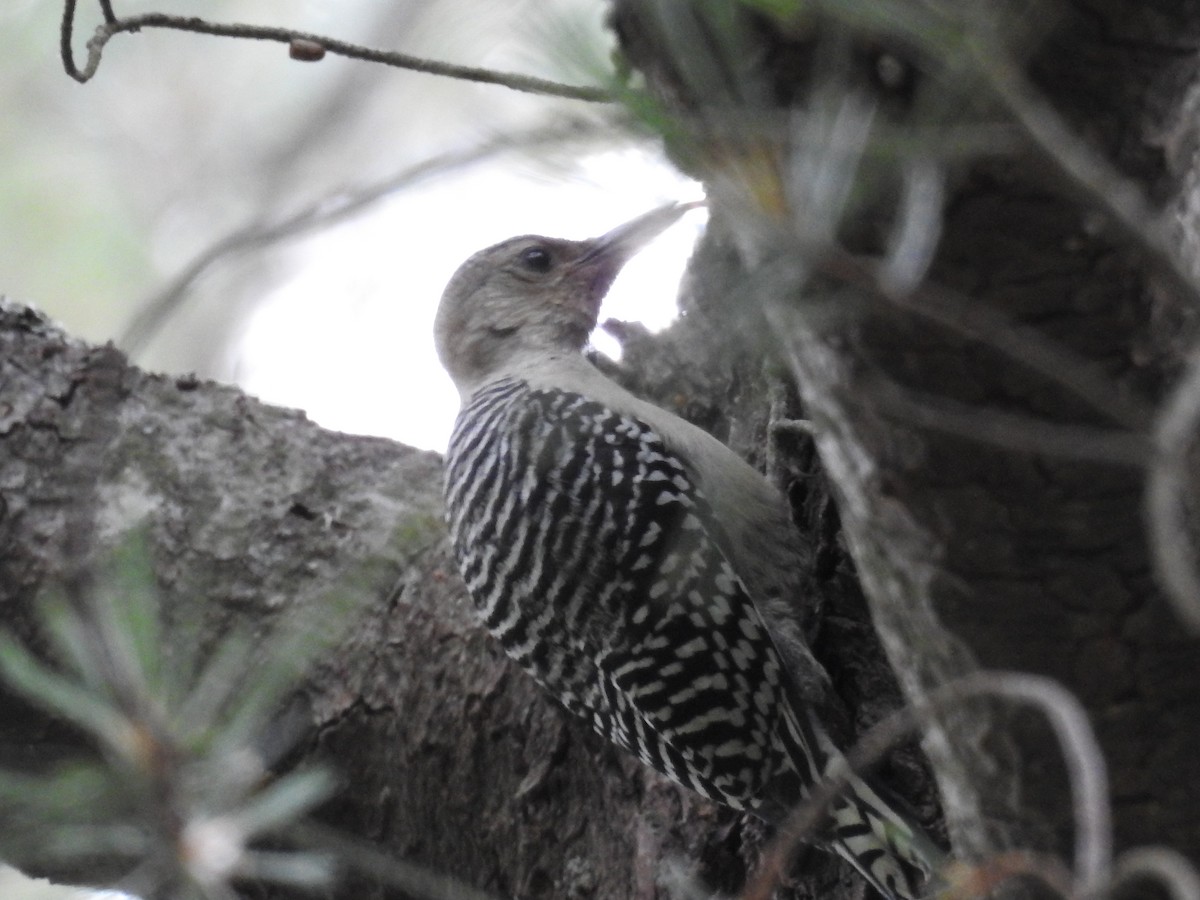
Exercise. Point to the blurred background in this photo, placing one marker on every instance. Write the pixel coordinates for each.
(215, 207)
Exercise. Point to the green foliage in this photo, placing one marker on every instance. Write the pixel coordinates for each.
(178, 791)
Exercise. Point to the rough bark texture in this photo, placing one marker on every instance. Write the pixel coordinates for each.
(451, 757)
(969, 554)
(974, 555)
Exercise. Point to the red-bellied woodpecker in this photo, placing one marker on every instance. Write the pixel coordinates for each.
(631, 563)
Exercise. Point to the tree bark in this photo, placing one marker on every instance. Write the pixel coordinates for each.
(973, 554)
(450, 757)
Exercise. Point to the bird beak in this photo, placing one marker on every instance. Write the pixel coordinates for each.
(624, 241)
(603, 257)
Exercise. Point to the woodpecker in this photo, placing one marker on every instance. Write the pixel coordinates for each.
(634, 565)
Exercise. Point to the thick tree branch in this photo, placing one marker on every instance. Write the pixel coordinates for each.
(980, 538)
(255, 516)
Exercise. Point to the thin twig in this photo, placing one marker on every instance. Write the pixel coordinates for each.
(106, 31)
(914, 240)
(890, 141)
(414, 880)
(154, 311)
(1012, 431)
(976, 43)
(1020, 343)
(981, 879)
(65, 37)
(973, 320)
(1168, 487)
(1170, 869)
(1100, 181)
(1085, 767)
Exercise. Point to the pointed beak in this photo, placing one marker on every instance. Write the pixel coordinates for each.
(624, 241)
(603, 257)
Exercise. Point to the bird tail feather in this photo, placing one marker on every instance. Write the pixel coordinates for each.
(885, 845)
(869, 828)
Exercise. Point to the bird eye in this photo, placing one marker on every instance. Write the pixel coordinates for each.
(536, 259)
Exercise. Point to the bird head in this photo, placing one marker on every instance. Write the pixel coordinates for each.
(530, 296)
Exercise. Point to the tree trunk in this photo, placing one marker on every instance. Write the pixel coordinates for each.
(962, 552)
(973, 550)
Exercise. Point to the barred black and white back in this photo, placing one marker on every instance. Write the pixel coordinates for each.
(589, 552)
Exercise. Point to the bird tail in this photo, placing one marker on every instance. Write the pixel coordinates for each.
(868, 827)
(884, 844)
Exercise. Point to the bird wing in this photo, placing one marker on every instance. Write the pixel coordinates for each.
(591, 554)
(604, 579)
(695, 687)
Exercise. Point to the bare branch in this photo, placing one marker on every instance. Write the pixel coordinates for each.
(1169, 868)
(1167, 489)
(981, 879)
(1100, 181)
(113, 26)
(1085, 766)
(155, 310)
(966, 38)
(1013, 431)
(915, 238)
(973, 320)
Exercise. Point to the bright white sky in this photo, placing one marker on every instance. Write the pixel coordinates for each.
(349, 338)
